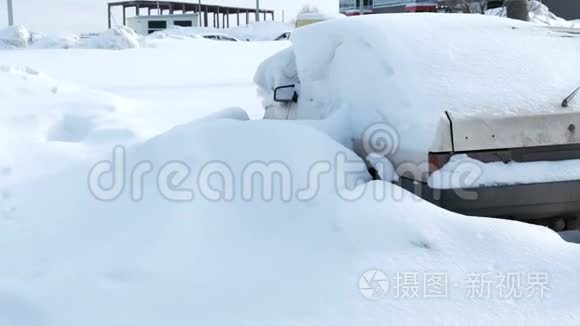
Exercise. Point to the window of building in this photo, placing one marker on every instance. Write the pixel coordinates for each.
(183, 23)
(157, 24)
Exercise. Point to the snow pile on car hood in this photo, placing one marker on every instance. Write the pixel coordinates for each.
(71, 259)
(540, 14)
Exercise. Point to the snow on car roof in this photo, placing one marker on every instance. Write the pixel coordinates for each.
(437, 61)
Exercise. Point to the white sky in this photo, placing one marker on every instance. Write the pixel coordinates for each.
(91, 15)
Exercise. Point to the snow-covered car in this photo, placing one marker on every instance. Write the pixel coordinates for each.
(218, 37)
(479, 112)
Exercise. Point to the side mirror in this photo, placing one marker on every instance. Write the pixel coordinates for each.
(285, 94)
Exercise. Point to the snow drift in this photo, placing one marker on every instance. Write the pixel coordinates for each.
(116, 38)
(121, 37)
(60, 106)
(70, 259)
(14, 37)
(46, 124)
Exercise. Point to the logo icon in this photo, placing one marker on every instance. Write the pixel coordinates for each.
(373, 284)
(381, 138)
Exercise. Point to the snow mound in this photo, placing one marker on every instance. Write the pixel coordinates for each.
(70, 259)
(116, 38)
(122, 37)
(14, 37)
(539, 14)
(233, 113)
(54, 41)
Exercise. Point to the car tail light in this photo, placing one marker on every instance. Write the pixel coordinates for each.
(438, 160)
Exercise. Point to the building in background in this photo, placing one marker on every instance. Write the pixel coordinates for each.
(567, 9)
(349, 7)
(185, 14)
(352, 7)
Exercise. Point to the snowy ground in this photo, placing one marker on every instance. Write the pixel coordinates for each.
(132, 94)
(181, 246)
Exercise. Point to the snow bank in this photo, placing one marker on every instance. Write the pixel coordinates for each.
(116, 39)
(54, 41)
(539, 14)
(70, 259)
(122, 37)
(14, 37)
(464, 172)
(260, 31)
(233, 113)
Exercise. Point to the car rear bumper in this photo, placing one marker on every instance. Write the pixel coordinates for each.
(533, 203)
